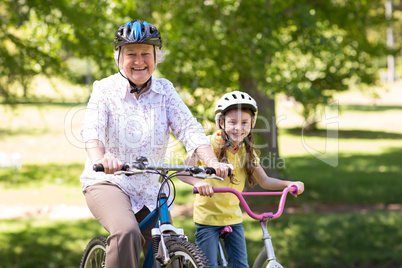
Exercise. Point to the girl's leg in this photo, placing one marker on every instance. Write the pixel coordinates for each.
(235, 246)
(112, 208)
(206, 238)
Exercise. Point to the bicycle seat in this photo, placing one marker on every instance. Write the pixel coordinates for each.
(225, 231)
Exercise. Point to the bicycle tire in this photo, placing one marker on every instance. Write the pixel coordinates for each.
(184, 254)
(94, 254)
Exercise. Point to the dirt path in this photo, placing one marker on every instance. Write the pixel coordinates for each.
(68, 211)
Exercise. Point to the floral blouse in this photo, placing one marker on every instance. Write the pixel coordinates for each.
(129, 128)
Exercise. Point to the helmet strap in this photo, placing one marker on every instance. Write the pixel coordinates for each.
(154, 55)
(134, 87)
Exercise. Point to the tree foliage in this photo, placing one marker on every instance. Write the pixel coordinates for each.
(38, 37)
(306, 49)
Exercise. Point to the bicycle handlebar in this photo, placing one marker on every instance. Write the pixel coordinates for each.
(292, 189)
(140, 167)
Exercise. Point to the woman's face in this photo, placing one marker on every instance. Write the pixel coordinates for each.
(138, 63)
(237, 124)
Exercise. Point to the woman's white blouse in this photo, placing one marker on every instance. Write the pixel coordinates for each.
(129, 128)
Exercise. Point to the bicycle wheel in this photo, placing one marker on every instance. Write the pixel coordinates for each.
(95, 253)
(185, 254)
(262, 260)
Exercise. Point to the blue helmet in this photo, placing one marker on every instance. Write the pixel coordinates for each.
(137, 32)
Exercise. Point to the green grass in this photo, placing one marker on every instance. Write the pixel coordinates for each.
(330, 240)
(44, 243)
(300, 240)
(34, 175)
(334, 240)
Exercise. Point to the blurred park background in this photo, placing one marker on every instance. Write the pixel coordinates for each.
(326, 76)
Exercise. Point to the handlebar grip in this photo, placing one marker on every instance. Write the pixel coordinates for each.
(100, 168)
(294, 190)
(210, 171)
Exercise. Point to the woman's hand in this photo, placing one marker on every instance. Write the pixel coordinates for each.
(299, 185)
(204, 188)
(110, 164)
(222, 169)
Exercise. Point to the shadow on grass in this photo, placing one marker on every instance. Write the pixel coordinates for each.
(44, 243)
(370, 108)
(358, 178)
(345, 134)
(307, 240)
(334, 240)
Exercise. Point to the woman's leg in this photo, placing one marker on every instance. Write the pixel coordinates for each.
(235, 246)
(112, 208)
(206, 238)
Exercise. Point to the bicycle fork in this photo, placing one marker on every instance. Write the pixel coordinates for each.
(266, 237)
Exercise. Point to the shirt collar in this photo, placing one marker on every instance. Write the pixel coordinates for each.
(125, 88)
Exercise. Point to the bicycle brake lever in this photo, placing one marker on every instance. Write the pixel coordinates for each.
(204, 176)
(130, 172)
(215, 177)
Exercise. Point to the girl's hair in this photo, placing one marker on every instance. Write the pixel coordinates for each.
(250, 160)
(159, 55)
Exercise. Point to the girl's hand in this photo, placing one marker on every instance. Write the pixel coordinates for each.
(204, 188)
(110, 164)
(300, 186)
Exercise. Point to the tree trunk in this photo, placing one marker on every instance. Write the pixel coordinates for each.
(265, 131)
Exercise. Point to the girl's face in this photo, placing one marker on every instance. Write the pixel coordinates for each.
(138, 62)
(237, 124)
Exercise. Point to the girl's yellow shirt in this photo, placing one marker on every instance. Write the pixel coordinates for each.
(223, 208)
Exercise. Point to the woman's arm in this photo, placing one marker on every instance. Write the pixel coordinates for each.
(205, 153)
(204, 188)
(96, 153)
(269, 183)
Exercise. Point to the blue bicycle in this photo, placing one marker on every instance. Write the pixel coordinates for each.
(170, 246)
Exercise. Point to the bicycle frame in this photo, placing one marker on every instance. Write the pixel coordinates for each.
(161, 212)
(264, 217)
(170, 246)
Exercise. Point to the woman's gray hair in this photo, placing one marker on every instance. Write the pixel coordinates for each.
(160, 55)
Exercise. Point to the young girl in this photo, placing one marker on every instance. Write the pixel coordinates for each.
(235, 115)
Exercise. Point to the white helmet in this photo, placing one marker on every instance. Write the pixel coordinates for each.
(232, 100)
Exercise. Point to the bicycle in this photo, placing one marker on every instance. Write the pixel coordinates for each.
(170, 246)
(266, 256)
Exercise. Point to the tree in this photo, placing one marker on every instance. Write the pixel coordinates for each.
(37, 37)
(305, 49)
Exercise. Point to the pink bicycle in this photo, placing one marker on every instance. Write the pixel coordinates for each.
(266, 257)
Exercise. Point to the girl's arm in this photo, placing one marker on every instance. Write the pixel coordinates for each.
(269, 183)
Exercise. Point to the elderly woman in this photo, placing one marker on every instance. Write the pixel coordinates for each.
(130, 114)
